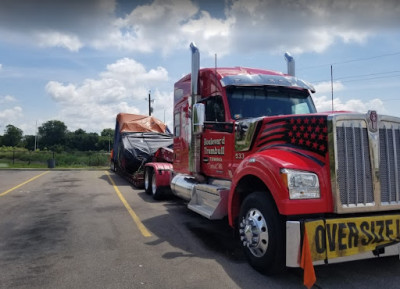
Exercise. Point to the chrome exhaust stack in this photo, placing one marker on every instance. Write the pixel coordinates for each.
(194, 81)
(194, 138)
(291, 67)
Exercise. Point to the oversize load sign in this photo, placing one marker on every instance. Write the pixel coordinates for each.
(349, 236)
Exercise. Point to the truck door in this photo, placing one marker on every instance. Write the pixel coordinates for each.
(181, 139)
(217, 140)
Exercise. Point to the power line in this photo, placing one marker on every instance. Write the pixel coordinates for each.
(391, 99)
(370, 74)
(362, 76)
(367, 58)
(370, 78)
(349, 61)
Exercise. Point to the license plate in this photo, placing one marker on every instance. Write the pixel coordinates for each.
(332, 238)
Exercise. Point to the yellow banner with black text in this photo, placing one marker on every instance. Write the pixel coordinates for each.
(332, 238)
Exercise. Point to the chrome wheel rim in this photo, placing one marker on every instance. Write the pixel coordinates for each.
(254, 232)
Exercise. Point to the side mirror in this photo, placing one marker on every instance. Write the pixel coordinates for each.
(198, 118)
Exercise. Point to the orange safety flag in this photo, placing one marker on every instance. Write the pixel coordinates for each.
(309, 277)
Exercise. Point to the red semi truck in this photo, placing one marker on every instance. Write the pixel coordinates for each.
(249, 144)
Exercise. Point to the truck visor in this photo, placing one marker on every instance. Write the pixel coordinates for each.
(265, 79)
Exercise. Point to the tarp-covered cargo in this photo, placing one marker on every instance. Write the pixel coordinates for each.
(136, 139)
(139, 123)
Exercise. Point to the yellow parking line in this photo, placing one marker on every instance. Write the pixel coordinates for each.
(139, 224)
(20, 185)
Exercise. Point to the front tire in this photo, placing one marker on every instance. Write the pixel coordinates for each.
(261, 234)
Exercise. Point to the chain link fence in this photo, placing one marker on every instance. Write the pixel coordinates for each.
(41, 159)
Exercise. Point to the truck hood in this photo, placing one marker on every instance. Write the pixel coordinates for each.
(305, 135)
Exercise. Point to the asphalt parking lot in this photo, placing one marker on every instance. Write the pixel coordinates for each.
(92, 229)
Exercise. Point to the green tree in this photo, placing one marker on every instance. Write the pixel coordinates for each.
(106, 139)
(53, 133)
(74, 139)
(82, 141)
(91, 141)
(12, 136)
(107, 132)
(29, 142)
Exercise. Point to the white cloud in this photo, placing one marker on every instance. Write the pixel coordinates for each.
(60, 92)
(10, 115)
(211, 34)
(250, 25)
(58, 39)
(303, 26)
(133, 73)
(9, 112)
(122, 87)
(150, 27)
(246, 25)
(325, 87)
(163, 107)
(323, 99)
(48, 23)
(324, 103)
(7, 99)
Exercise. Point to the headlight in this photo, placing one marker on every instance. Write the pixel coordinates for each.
(301, 185)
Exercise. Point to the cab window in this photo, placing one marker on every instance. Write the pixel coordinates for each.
(177, 124)
(215, 111)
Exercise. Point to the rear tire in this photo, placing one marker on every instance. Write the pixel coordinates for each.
(148, 175)
(262, 235)
(156, 191)
(112, 166)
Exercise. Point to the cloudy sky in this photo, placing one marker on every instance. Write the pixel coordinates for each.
(82, 62)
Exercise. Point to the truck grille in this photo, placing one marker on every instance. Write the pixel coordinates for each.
(354, 166)
(367, 160)
(389, 144)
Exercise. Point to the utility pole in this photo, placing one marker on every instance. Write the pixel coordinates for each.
(35, 136)
(149, 102)
(332, 85)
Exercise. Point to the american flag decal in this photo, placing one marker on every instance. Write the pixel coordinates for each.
(305, 132)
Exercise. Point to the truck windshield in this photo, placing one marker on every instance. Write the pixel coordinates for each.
(256, 101)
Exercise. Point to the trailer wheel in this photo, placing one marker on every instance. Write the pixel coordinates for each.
(148, 181)
(112, 166)
(157, 192)
(261, 234)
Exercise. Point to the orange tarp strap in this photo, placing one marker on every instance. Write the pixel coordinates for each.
(309, 277)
